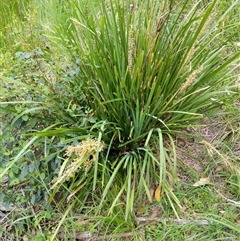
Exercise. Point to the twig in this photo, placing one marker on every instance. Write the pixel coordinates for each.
(87, 236)
(227, 199)
(233, 202)
(120, 235)
(178, 221)
(79, 236)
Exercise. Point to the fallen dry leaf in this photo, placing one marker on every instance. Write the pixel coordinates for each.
(158, 194)
(237, 221)
(219, 169)
(25, 238)
(202, 182)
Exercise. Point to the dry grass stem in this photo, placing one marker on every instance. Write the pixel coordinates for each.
(225, 160)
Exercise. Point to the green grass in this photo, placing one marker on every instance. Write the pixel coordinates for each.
(51, 85)
(171, 231)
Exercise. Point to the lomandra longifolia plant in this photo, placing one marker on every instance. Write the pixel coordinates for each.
(148, 69)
